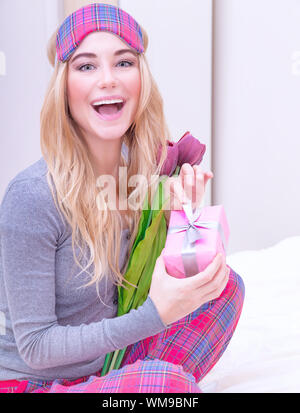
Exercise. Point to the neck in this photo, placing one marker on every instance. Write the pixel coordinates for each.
(106, 157)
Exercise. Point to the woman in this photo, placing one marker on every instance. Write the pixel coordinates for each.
(61, 318)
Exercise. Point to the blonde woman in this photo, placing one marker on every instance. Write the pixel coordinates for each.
(63, 252)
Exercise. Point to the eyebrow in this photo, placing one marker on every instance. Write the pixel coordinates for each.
(117, 53)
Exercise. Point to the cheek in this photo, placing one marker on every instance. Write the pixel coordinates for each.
(76, 92)
(135, 86)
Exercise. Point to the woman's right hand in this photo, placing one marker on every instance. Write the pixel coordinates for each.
(175, 298)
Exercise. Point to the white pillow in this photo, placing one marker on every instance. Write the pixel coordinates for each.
(264, 352)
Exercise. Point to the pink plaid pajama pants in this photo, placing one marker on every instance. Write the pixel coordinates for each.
(173, 361)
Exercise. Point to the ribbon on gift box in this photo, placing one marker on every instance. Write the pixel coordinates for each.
(193, 234)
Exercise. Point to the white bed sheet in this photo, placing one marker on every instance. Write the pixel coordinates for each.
(263, 355)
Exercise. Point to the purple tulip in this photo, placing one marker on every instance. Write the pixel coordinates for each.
(171, 161)
(187, 150)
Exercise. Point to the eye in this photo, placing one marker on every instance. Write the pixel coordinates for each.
(81, 67)
(125, 63)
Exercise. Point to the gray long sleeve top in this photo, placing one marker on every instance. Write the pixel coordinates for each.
(50, 327)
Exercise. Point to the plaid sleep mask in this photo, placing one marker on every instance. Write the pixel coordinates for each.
(97, 17)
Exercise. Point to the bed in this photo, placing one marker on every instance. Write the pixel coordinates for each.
(264, 353)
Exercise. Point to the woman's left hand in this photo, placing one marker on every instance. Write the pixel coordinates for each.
(188, 186)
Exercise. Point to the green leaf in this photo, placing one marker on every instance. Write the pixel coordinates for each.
(149, 242)
(144, 284)
(120, 358)
(143, 223)
(140, 255)
(140, 235)
(106, 364)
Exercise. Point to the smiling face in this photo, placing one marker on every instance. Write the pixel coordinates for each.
(103, 87)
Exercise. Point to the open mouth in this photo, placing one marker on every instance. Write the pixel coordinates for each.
(109, 109)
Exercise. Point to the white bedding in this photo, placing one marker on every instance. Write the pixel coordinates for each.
(264, 353)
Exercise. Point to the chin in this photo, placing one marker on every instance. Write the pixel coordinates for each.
(111, 131)
(110, 134)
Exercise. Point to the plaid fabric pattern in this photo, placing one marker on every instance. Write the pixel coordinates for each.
(197, 341)
(153, 376)
(173, 361)
(13, 386)
(97, 17)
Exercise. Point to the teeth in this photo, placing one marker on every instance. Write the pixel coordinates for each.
(108, 102)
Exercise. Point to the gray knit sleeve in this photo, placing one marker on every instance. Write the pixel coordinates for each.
(30, 229)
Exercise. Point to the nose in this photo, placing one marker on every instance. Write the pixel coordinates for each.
(107, 79)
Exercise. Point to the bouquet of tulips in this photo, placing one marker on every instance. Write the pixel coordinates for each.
(151, 237)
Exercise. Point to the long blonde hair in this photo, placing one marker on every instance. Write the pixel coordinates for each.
(70, 171)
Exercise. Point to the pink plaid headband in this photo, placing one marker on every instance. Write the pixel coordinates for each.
(97, 17)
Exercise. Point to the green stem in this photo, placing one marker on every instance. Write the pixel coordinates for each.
(106, 363)
(135, 296)
(112, 364)
(177, 171)
(120, 358)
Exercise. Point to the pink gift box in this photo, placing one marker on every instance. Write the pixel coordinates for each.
(184, 259)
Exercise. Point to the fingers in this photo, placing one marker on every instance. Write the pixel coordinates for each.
(181, 193)
(175, 298)
(217, 265)
(215, 293)
(187, 175)
(160, 262)
(207, 176)
(202, 177)
(178, 196)
(200, 185)
(193, 181)
(208, 274)
(189, 186)
(217, 281)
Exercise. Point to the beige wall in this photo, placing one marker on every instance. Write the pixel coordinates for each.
(256, 109)
(72, 5)
(34, 23)
(180, 61)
